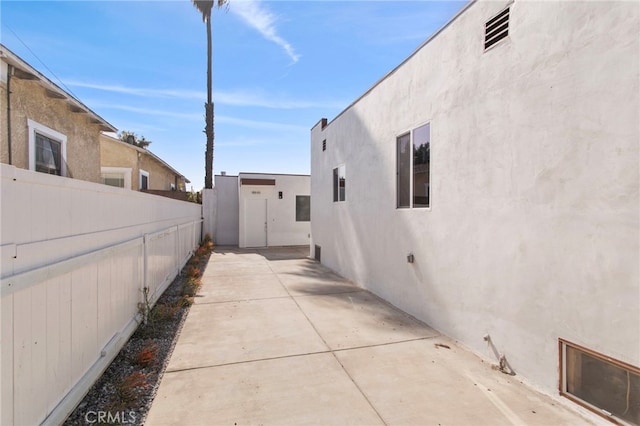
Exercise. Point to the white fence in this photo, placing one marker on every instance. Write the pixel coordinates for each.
(75, 257)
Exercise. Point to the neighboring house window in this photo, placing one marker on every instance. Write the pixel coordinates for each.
(47, 149)
(144, 180)
(303, 208)
(116, 176)
(339, 184)
(413, 168)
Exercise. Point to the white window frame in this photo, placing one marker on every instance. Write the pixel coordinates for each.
(35, 127)
(125, 171)
(143, 173)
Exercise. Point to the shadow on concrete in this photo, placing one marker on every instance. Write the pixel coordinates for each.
(284, 253)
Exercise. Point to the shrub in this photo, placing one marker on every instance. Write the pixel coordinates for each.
(147, 355)
(127, 388)
(193, 272)
(162, 312)
(190, 287)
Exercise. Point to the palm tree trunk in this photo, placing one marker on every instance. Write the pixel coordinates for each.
(208, 176)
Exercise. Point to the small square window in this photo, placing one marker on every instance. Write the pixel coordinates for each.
(47, 150)
(48, 155)
(144, 180)
(303, 208)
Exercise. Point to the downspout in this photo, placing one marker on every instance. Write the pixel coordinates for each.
(9, 72)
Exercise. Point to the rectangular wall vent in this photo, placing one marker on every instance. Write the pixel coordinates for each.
(604, 385)
(496, 29)
(324, 145)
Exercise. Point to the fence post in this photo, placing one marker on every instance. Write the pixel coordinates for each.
(176, 250)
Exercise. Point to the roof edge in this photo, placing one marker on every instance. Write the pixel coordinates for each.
(15, 61)
(393, 71)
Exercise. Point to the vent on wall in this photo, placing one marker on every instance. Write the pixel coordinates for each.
(324, 145)
(602, 384)
(496, 29)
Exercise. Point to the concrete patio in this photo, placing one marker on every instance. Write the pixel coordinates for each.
(277, 338)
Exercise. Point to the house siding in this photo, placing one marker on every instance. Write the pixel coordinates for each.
(30, 101)
(533, 231)
(115, 153)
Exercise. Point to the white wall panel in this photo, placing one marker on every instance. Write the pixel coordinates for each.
(6, 360)
(58, 375)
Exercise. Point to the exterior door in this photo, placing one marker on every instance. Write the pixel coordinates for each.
(255, 222)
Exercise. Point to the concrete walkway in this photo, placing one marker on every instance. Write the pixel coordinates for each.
(276, 338)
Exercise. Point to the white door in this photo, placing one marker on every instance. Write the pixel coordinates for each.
(255, 225)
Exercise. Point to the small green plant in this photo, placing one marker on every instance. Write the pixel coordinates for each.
(195, 260)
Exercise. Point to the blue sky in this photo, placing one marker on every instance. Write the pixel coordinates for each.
(279, 66)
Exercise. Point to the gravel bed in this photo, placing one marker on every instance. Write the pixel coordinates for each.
(125, 391)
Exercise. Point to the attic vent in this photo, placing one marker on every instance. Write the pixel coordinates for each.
(602, 384)
(324, 145)
(496, 29)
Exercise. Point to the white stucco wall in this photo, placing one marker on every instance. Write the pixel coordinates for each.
(282, 228)
(226, 229)
(533, 231)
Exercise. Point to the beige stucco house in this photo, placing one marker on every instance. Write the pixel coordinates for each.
(130, 166)
(44, 128)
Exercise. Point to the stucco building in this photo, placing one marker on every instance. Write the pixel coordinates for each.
(262, 209)
(489, 186)
(134, 167)
(44, 128)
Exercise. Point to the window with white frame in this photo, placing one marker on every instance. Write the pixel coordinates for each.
(413, 168)
(144, 180)
(47, 149)
(116, 176)
(339, 184)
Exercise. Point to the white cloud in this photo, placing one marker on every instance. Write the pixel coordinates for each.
(137, 91)
(241, 122)
(245, 97)
(254, 14)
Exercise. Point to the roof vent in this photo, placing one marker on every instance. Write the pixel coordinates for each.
(496, 29)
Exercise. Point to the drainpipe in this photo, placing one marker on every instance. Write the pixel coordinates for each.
(9, 72)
